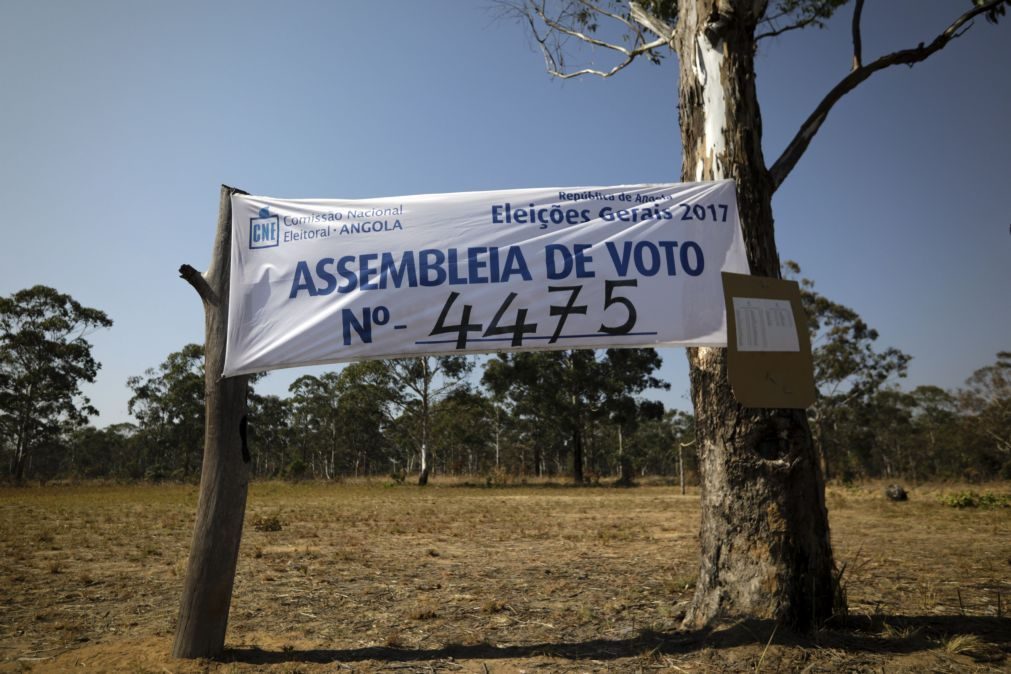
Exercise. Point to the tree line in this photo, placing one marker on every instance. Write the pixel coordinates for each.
(408, 418)
(582, 414)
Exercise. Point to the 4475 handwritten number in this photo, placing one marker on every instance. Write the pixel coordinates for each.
(520, 328)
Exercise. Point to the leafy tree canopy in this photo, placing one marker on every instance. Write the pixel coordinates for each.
(44, 357)
(168, 403)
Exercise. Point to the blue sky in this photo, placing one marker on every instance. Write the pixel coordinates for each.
(119, 120)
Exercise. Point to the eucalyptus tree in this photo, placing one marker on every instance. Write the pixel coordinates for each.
(850, 371)
(366, 415)
(938, 432)
(316, 422)
(419, 384)
(986, 404)
(104, 452)
(44, 358)
(563, 391)
(339, 418)
(556, 391)
(342, 422)
(665, 446)
(269, 433)
(765, 548)
(464, 426)
(168, 403)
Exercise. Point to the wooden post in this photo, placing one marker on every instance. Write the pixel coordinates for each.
(224, 478)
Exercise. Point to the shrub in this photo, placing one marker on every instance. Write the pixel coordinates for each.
(296, 470)
(497, 476)
(971, 499)
(156, 473)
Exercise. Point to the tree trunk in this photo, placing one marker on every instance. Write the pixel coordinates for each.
(621, 457)
(498, 433)
(207, 591)
(818, 437)
(765, 550)
(423, 477)
(577, 453)
(21, 453)
(681, 466)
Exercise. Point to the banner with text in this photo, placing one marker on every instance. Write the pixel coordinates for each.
(330, 280)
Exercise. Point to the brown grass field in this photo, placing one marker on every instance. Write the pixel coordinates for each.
(374, 577)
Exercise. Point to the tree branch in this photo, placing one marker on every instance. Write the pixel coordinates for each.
(591, 71)
(572, 32)
(795, 150)
(536, 12)
(617, 17)
(651, 22)
(803, 23)
(857, 43)
(804, 13)
(199, 283)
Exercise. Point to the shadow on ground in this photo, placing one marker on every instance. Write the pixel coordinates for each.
(874, 634)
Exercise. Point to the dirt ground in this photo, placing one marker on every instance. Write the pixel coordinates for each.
(470, 579)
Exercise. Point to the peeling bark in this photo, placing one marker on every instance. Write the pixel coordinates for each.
(765, 538)
(764, 534)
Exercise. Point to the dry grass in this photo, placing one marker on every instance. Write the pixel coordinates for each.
(963, 643)
(367, 577)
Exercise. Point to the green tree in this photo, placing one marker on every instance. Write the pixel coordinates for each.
(890, 446)
(986, 403)
(516, 440)
(849, 372)
(938, 432)
(513, 381)
(562, 392)
(339, 418)
(44, 357)
(463, 427)
(168, 403)
(315, 405)
(365, 413)
(628, 373)
(103, 452)
(765, 548)
(420, 383)
(666, 446)
(914, 435)
(269, 433)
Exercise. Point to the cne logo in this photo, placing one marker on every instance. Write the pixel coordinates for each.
(264, 231)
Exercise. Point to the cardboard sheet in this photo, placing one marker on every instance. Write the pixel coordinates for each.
(769, 349)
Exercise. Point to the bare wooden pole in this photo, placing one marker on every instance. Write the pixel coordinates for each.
(224, 478)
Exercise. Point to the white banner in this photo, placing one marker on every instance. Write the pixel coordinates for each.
(330, 280)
